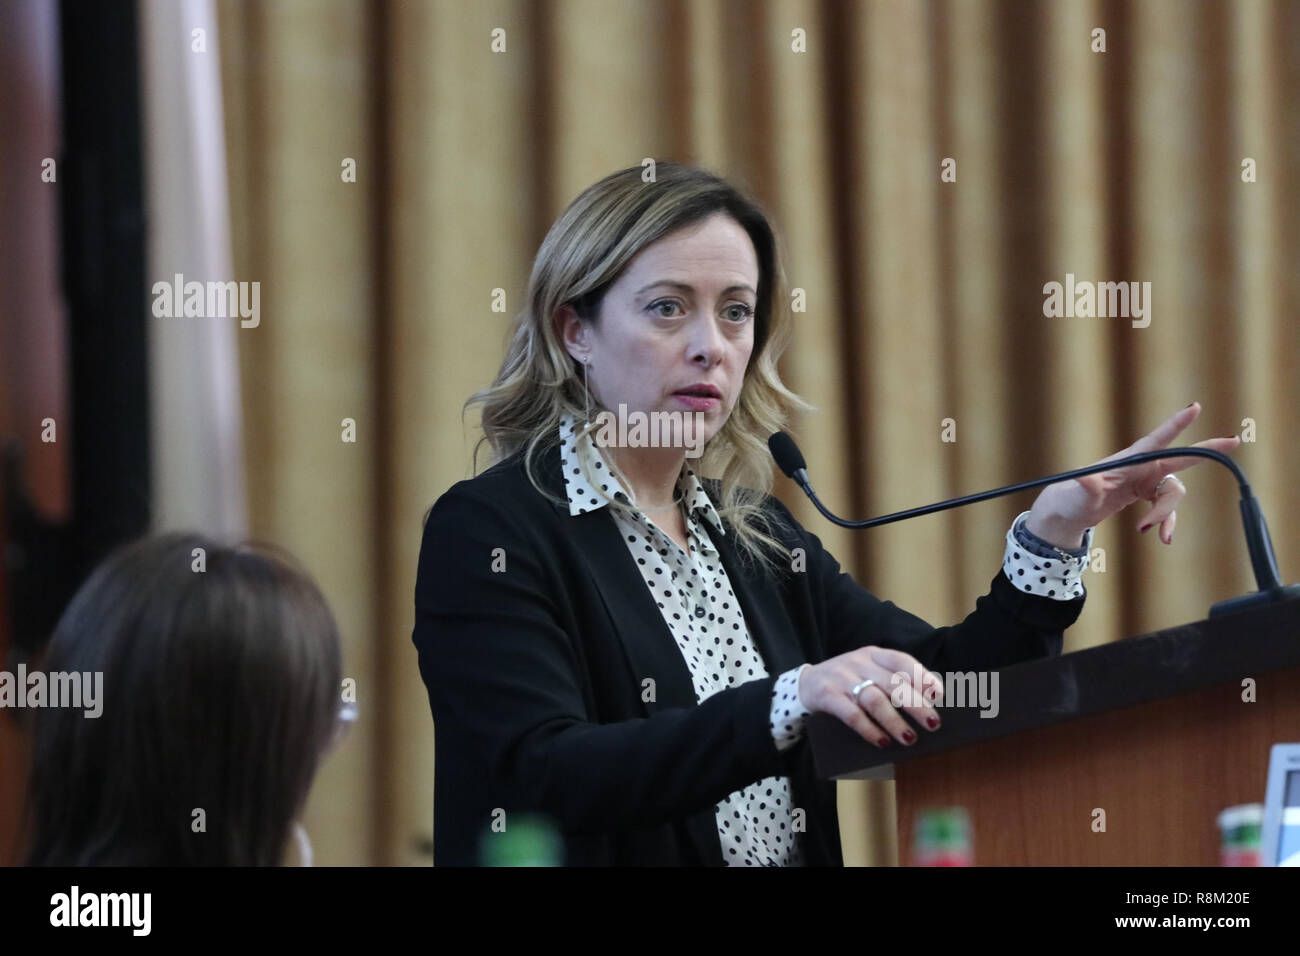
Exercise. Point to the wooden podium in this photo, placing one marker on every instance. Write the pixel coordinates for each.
(1156, 731)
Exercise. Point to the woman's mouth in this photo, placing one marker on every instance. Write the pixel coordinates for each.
(698, 403)
(700, 398)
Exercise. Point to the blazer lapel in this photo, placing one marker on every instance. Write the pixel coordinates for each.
(647, 643)
(650, 649)
(638, 622)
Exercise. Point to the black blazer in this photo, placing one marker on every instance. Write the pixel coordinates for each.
(535, 675)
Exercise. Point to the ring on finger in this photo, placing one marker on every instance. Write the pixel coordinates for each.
(1159, 484)
(859, 688)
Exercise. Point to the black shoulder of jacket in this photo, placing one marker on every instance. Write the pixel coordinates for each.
(506, 482)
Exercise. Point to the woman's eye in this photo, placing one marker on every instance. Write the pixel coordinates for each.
(745, 312)
(656, 306)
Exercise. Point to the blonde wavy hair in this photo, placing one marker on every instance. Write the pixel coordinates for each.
(584, 253)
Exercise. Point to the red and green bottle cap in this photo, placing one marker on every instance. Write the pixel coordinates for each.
(1239, 834)
(943, 837)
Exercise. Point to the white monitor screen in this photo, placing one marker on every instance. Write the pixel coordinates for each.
(1288, 844)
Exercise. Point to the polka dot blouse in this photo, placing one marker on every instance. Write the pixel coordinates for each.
(693, 592)
(700, 609)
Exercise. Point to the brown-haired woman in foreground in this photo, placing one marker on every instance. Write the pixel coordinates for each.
(220, 696)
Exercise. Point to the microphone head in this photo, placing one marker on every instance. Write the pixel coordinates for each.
(788, 457)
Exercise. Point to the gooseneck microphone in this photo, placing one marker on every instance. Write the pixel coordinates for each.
(1258, 543)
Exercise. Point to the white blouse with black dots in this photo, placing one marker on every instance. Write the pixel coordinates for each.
(756, 825)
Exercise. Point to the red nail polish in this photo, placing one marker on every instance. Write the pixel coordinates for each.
(909, 737)
(932, 722)
(884, 741)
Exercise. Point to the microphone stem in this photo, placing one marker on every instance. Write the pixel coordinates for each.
(1259, 543)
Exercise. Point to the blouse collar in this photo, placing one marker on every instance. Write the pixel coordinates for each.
(588, 478)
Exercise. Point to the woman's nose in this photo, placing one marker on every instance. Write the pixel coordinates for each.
(707, 345)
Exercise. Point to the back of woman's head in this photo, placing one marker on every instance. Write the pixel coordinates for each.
(221, 671)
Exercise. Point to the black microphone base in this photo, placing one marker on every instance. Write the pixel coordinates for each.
(1233, 605)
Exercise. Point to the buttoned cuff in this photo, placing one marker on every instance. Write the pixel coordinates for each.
(1035, 566)
(788, 712)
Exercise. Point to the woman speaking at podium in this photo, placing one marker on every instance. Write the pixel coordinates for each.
(617, 643)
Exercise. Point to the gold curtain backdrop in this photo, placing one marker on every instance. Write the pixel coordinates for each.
(924, 298)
